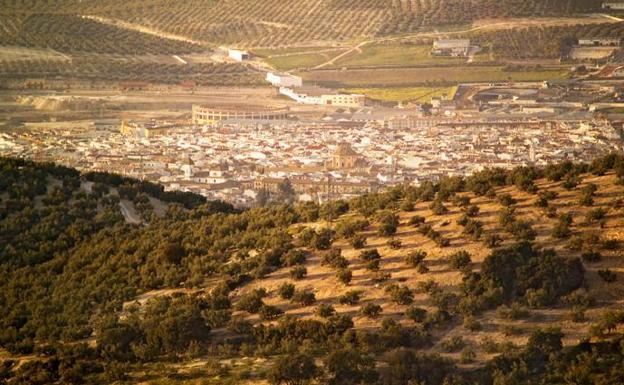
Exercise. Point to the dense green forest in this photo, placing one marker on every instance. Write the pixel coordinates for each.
(69, 262)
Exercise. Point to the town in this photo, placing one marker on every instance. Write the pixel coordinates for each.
(339, 146)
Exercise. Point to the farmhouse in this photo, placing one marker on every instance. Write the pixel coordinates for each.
(613, 5)
(238, 55)
(451, 47)
(284, 80)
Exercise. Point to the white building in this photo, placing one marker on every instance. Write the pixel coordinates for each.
(600, 41)
(238, 55)
(284, 80)
(451, 47)
(612, 5)
(324, 98)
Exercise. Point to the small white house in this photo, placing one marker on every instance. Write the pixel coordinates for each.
(284, 80)
(238, 55)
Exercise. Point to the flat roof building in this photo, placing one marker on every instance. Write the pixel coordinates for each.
(238, 55)
(284, 80)
(451, 47)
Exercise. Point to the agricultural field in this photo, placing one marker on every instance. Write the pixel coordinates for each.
(541, 42)
(269, 24)
(303, 59)
(394, 55)
(157, 70)
(405, 77)
(404, 94)
(72, 33)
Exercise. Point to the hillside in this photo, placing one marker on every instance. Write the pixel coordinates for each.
(499, 277)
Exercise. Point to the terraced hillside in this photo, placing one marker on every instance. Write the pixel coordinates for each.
(267, 23)
(501, 276)
(541, 42)
(73, 33)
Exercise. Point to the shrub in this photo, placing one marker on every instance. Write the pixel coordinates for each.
(416, 221)
(351, 297)
(298, 272)
(373, 265)
(510, 330)
(422, 269)
(294, 257)
(471, 323)
(596, 214)
(325, 310)
(250, 303)
(370, 255)
(388, 222)
(286, 290)
(380, 276)
(357, 241)
(371, 310)
(522, 230)
(561, 230)
(453, 344)
(591, 256)
(586, 200)
(402, 295)
(269, 312)
(570, 182)
(506, 200)
(334, 259)
(467, 355)
(607, 275)
(304, 298)
(349, 228)
(610, 244)
(344, 276)
(407, 205)
(577, 314)
(472, 211)
(323, 239)
(492, 240)
(515, 312)
(394, 243)
(437, 207)
(416, 314)
(460, 261)
(415, 258)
